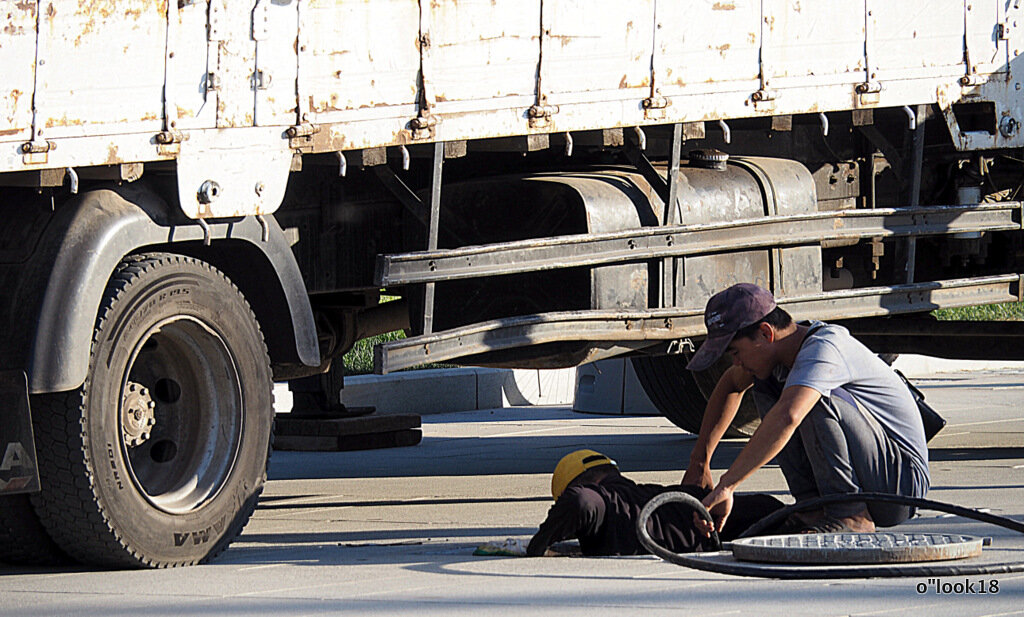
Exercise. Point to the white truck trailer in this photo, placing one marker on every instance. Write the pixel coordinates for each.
(200, 196)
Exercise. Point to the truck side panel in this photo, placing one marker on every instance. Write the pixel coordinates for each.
(92, 81)
(17, 55)
(353, 75)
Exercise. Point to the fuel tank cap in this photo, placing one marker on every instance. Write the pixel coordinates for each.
(710, 158)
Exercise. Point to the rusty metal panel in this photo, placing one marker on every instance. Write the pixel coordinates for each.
(812, 42)
(596, 50)
(920, 39)
(724, 49)
(100, 68)
(986, 49)
(17, 57)
(233, 173)
(232, 45)
(188, 63)
(699, 278)
(361, 59)
(275, 28)
(481, 50)
(1003, 89)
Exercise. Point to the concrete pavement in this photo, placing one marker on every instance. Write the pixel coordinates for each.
(392, 531)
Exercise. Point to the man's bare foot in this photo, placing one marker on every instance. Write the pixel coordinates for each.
(860, 522)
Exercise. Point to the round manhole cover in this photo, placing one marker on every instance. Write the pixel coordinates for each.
(844, 548)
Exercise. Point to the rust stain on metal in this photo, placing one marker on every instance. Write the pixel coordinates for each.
(6, 132)
(723, 48)
(112, 154)
(12, 29)
(26, 5)
(623, 83)
(63, 121)
(723, 6)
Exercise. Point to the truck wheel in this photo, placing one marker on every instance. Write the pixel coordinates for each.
(681, 395)
(23, 541)
(159, 458)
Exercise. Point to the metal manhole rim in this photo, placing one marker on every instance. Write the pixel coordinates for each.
(860, 548)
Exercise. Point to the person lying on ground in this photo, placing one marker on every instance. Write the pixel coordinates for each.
(597, 505)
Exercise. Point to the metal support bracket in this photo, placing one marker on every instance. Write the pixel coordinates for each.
(633, 245)
(402, 192)
(672, 324)
(668, 271)
(435, 213)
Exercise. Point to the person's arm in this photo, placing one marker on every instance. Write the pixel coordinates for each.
(777, 427)
(579, 511)
(722, 406)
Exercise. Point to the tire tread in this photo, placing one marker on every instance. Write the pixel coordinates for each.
(68, 507)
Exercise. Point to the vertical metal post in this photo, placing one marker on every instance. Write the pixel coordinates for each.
(668, 271)
(916, 164)
(435, 211)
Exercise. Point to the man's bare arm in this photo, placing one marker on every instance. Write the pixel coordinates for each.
(777, 427)
(721, 409)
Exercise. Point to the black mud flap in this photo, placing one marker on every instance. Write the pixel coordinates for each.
(18, 471)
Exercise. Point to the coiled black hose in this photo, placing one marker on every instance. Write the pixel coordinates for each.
(709, 563)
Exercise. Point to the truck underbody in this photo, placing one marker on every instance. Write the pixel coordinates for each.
(163, 260)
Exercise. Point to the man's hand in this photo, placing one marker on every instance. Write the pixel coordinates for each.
(719, 505)
(698, 475)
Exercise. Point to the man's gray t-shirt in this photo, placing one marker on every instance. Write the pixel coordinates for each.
(830, 359)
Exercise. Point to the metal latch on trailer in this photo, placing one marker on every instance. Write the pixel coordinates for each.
(36, 152)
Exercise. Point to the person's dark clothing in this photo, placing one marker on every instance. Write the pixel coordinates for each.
(602, 514)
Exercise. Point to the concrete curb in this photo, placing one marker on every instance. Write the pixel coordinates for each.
(921, 366)
(461, 389)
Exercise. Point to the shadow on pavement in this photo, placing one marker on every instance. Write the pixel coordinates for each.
(265, 503)
(476, 456)
(974, 454)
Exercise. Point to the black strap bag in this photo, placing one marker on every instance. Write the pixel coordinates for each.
(933, 422)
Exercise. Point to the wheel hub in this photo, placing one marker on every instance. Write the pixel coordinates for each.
(137, 414)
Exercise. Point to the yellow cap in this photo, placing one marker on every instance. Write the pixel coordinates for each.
(572, 465)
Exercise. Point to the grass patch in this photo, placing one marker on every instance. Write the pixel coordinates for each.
(1010, 311)
(359, 359)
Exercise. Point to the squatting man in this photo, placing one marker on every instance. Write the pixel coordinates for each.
(835, 417)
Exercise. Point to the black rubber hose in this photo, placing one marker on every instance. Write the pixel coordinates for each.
(820, 572)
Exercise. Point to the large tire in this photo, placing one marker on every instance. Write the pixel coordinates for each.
(159, 458)
(682, 395)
